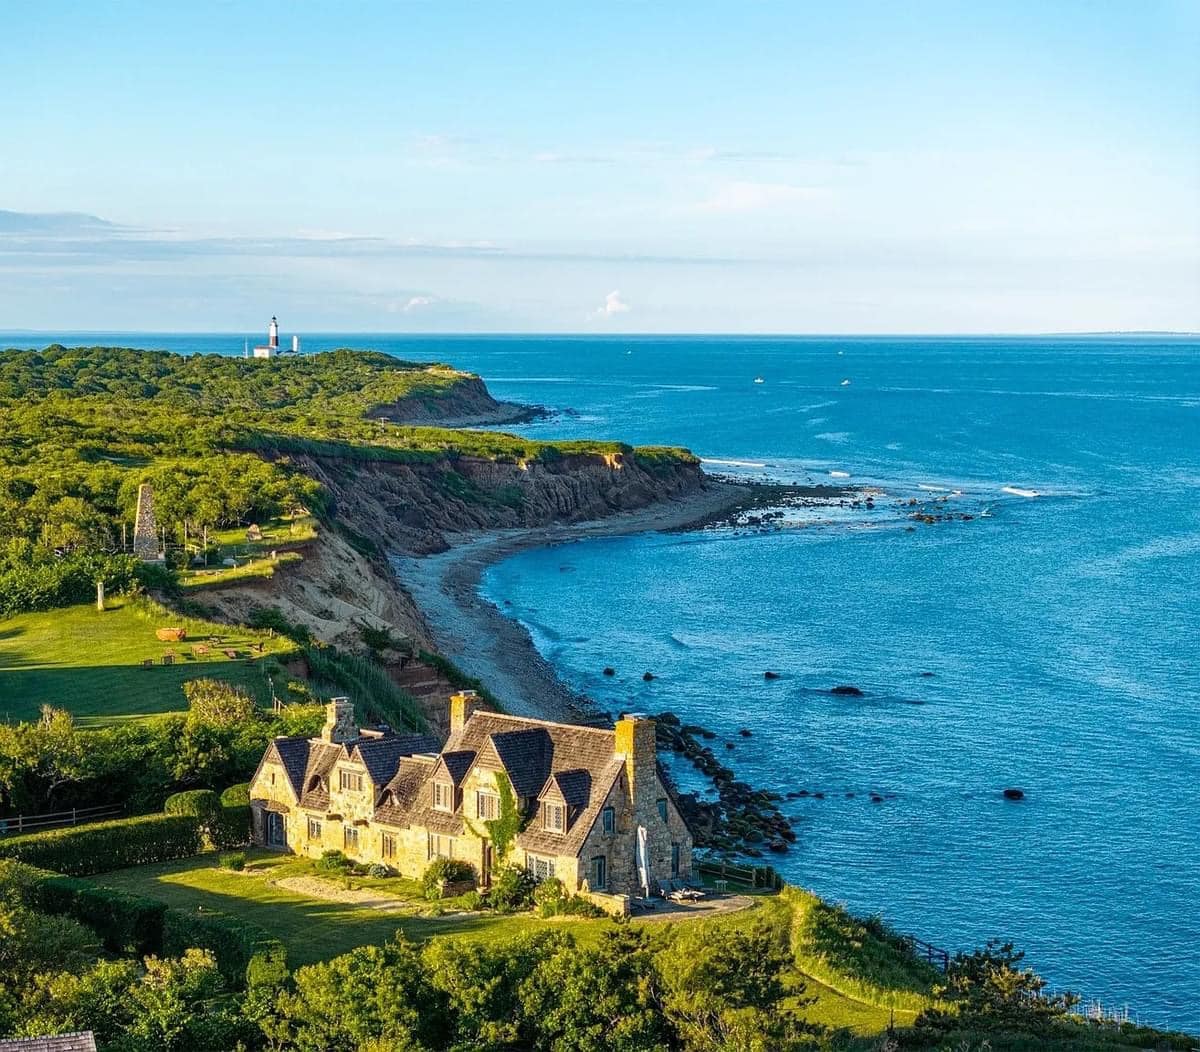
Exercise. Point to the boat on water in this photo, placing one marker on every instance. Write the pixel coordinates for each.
(845, 383)
(759, 380)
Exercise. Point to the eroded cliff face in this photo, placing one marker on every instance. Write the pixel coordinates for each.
(467, 403)
(417, 508)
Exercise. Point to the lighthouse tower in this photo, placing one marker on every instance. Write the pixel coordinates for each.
(272, 348)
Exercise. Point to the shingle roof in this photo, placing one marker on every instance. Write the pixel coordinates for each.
(80, 1041)
(573, 786)
(381, 756)
(541, 841)
(525, 755)
(293, 754)
(457, 764)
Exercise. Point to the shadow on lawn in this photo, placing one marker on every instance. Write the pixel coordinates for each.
(312, 929)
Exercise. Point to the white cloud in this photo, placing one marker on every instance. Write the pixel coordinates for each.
(755, 197)
(613, 305)
(415, 303)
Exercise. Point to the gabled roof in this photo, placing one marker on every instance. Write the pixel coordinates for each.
(456, 765)
(572, 787)
(542, 841)
(525, 756)
(292, 753)
(381, 756)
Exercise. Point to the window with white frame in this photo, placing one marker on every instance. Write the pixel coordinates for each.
(440, 846)
(350, 781)
(350, 838)
(443, 796)
(554, 817)
(539, 867)
(598, 878)
(487, 805)
(387, 846)
(314, 829)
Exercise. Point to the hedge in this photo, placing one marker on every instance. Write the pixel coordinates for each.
(236, 795)
(200, 803)
(234, 943)
(80, 851)
(135, 924)
(125, 923)
(230, 828)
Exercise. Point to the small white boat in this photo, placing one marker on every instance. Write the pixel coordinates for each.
(1018, 492)
(845, 383)
(759, 380)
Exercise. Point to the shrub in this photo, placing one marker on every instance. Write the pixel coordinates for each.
(473, 901)
(334, 862)
(80, 851)
(200, 803)
(377, 869)
(125, 923)
(234, 943)
(235, 860)
(442, 871)
(236, 795)
(512, 889)
(549, 897)
(231, 827)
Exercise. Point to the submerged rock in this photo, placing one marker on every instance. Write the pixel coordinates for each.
(1014, 794)
(770, 675)
(846, 690)
(610, 671)
(647, 676)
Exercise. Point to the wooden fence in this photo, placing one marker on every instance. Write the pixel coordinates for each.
(925, 951)
(747, 876)
(76, 816)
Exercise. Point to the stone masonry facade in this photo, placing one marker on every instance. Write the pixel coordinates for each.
(592, 805)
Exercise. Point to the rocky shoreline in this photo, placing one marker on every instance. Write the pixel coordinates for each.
(485, 644)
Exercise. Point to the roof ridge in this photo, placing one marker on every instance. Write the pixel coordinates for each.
(540, 723)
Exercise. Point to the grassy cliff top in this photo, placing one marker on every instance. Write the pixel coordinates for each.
(342, 381)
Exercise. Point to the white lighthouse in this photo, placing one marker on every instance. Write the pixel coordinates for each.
(272, 349)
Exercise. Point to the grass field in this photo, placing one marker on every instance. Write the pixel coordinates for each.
(316, 930)
(90, 663)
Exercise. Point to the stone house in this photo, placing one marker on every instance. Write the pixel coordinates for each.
(584, 804)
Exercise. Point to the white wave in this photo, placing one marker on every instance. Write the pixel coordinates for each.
(837, 437)
(732, 463)
(1018, 492)
(685, 387)
(839, 474)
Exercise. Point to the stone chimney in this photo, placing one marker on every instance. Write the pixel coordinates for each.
(462, 705)
(339, 722)
(635, 743)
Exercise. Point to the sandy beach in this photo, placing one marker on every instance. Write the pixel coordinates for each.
(484, 643)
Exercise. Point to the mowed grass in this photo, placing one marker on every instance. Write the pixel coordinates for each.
(90, 662)
(312, 929)
(317, 930)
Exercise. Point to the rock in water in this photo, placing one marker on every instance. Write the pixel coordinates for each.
(647, 676)
(770, 675)
(1014, 794)
(610, 671)
(847, 691)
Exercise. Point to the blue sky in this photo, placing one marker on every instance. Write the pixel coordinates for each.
(736, 167)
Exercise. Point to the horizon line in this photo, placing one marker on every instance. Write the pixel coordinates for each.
(575, 334)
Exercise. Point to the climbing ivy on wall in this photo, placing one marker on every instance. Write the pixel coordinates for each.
(504, 829)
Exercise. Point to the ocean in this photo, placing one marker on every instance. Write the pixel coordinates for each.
(1060, 622)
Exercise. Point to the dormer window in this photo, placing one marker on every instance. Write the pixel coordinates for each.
(554, 817)
(443, 796)
(350, 781)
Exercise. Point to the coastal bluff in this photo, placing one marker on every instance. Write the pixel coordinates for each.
(416, 508)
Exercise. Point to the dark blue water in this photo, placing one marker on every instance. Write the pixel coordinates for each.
(1063, 629)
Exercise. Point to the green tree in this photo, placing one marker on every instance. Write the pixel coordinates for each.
(596, 999)
(372, 994)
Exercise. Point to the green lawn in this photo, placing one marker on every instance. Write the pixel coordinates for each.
(316, 930)
(90, 663)
(312, 929)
